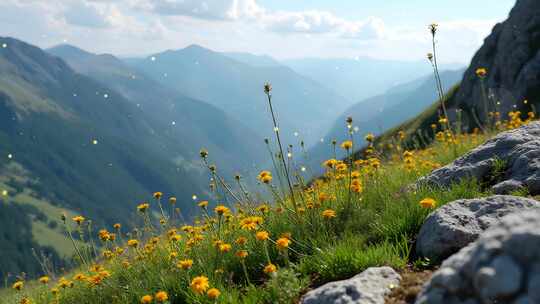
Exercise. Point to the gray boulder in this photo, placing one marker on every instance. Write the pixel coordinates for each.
(368, 287)
(502, 266)
(458, 223)
(518, 150)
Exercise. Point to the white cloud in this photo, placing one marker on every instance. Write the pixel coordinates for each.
(204, 9)
(127, 26)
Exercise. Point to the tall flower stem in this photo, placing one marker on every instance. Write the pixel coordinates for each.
(267, 90)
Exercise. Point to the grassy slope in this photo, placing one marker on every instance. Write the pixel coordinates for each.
(43, 233)
(376, 228)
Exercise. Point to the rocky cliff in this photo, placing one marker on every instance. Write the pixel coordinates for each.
(511, 55)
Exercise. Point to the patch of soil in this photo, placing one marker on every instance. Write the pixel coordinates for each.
(410, 286)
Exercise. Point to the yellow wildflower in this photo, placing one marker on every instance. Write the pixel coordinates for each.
(161, 296)
(213, 293)
(347, 145)
(262, 235)
(328, 214)
(199, 284)
(185, 264)
(282, 243)
(18, 285)
(428, 203)
(147, 299)
(270, 268)
(79, 219)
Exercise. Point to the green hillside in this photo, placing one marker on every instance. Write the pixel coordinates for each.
(86, 149)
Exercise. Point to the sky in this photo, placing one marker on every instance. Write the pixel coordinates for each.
(284, 29)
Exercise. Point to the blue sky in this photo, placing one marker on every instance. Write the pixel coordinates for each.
(386, 29)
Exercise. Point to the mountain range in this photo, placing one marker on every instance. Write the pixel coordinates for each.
(382, 112)
(361, 78)
(237, 87)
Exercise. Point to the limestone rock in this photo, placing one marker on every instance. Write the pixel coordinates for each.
(482, 273)
(518, 150)
(368, 287)
(458, 223)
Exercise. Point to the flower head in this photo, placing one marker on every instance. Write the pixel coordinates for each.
(242, 254)
(143, 207)
(185, 264)
(213, 293)
(267, 88)
(161, 296)
(78, 219)
(225, 248)
(481, 72)
(157, 195)
(328, 214)
(133, 243)
(428, 203)
(370, 137)
(251, 223)
(270, 268)
(433, 28)
(18, 285)
(220, 210)
(282, 243)
(199, 284)
(262, 235)
(265, 177)
(203, 204)
(147, 299)
(44, 279)
(347, 145)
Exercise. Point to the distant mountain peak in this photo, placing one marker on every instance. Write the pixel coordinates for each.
(68, 51)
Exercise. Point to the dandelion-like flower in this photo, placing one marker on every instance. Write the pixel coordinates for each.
(213, 293)
(161, 296)
(44, 279)
(347, 145)
(428, 203)
(157, 195)
(265, 177)
(199, 284)
(270, 268)
(328, 214)
(78, 219)
(370, 137)
(185, 264)
(143, 207)
(241, 241)
(18, 285)
(146, 299)
(220, 210)
(203, 204)
(225, 248)
(262, 235)
(282, 243)
(481, 72)
(251, 223)
(133, 243)
(242, 254)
